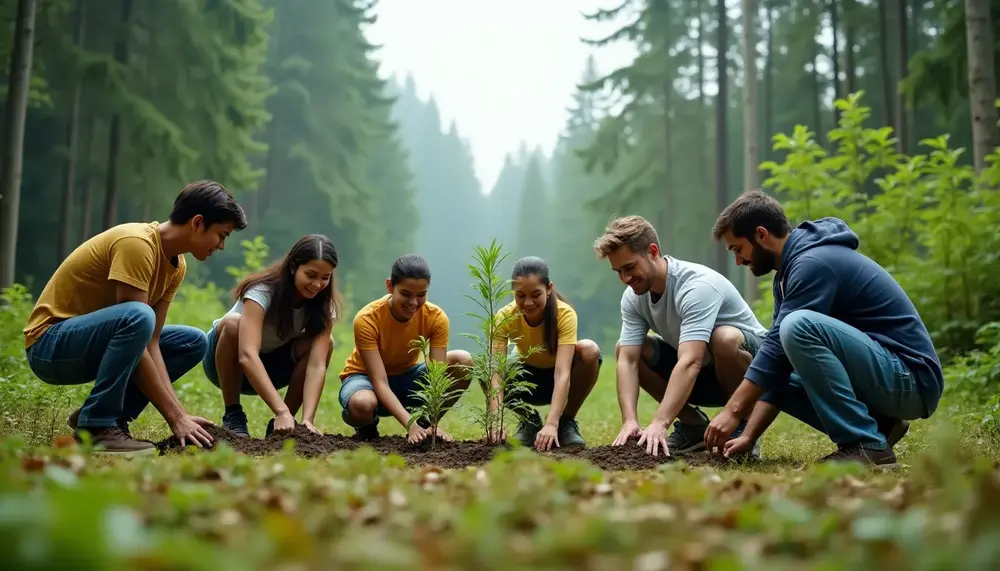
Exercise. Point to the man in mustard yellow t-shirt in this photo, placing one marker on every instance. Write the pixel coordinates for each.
(100, 318)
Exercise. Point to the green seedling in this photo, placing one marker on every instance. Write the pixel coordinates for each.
(498, 373)
(434, 389)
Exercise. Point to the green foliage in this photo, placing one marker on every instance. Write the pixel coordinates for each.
(498, 373)
(434, 389)
(255, 255)
(361, 510)
(926, 218)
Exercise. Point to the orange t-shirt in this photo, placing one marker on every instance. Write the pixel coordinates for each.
(376, 329)
(85, 281)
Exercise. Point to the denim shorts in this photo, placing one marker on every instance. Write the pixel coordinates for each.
(279, 364)
(402, 385)
(545, 382)
(707, 390)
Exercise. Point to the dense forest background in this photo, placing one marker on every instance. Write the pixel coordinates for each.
(284, 103)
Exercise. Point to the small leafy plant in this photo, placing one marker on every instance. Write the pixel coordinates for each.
(498, 373)
(434, 389)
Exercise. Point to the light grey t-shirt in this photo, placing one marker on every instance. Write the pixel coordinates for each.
(269, 339)
(697, 300)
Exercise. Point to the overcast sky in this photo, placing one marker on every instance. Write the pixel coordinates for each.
(504, 71)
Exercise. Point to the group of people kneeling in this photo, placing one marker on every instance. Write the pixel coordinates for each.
(847, 352)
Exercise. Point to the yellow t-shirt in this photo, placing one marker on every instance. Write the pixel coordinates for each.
(129, 253)
(376, 328)
(526, 336)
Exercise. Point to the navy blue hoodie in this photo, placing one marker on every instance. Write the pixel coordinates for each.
(821, 270)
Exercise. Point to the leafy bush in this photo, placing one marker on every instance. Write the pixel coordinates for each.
(927, 218)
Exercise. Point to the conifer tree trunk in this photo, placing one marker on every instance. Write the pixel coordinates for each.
(750, 161)
(115, 132)
(883, 62)
(903, 64)
(982, 81)
(72, 134)
(17, 110)
(721, 156)
(835, 31)
(769, 82)
(851, 71)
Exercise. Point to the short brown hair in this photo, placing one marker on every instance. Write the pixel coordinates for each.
(751, 209)
(633, 232)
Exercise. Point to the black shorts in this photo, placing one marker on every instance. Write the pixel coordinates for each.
(707, 390)
(545, 382)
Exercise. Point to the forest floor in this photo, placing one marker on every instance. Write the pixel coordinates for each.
(303, 501)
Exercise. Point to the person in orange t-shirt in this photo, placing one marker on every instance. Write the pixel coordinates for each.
(380, 375)
(101, 318)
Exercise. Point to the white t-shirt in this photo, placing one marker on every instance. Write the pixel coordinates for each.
(269, 339)
(697, 300)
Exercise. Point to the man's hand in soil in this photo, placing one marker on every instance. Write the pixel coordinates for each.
(629, 429)
(309, 426)
(655, 438)
(719, 429)
(189, 430)
(738, 445)
(416, 433)
(546, 437)
(284, 422)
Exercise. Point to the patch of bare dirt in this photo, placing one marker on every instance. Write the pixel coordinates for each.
(446, 455)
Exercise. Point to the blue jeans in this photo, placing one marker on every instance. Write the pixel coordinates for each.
(843, 380)
(104, 347)
(401, 385)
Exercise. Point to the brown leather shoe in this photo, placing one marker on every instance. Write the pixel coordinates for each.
(853, 453)
(114, 440)
(74, 418)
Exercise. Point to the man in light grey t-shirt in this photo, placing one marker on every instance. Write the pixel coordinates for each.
(703, 337)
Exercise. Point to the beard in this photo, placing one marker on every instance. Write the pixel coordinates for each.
(763, 261)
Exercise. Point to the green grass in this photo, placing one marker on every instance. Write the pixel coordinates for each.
(60, 508)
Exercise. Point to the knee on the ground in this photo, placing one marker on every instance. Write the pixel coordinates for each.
(362, 405)
(589, 352)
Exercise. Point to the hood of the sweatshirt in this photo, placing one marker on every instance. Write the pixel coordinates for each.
(810, 234)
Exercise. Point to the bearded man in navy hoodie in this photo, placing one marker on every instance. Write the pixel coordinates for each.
(847, 352)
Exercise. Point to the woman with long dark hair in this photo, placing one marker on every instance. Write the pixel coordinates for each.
(277, 335)
(564, 369)
(380, 376)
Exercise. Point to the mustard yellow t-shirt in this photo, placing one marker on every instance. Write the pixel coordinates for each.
(376, 329)
(85, 281)
(525, 336)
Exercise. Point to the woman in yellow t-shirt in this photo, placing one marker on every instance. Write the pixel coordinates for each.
(380, 376)
(563, 368)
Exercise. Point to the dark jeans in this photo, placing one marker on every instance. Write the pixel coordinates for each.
(844, 381)
(105, 347)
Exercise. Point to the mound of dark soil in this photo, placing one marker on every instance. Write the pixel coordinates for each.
(458, 454)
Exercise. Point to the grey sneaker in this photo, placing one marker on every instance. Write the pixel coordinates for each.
(569, 433)
(528, 428)
(236, 422)
(688, 437)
